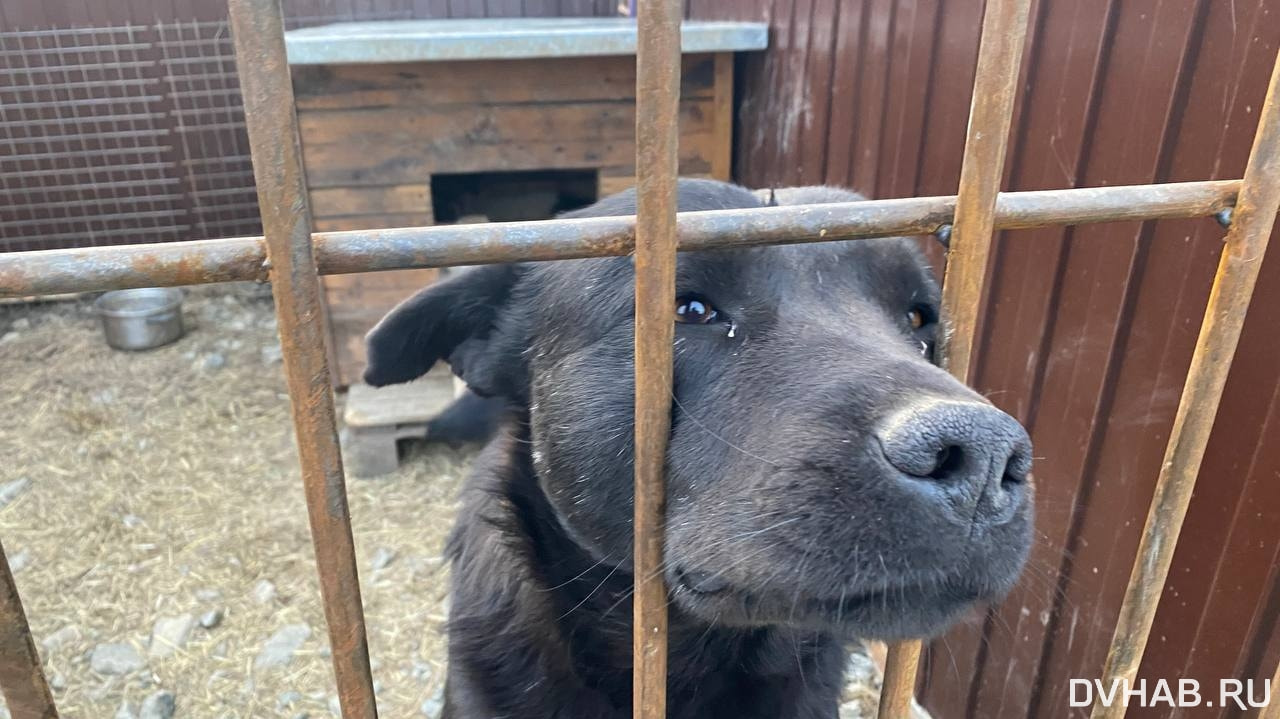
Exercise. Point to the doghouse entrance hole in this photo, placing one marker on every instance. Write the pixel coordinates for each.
(511, 196)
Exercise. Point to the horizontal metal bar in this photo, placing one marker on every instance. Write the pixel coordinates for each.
(65, 69)
(45, 157)
(84, 84)
(88, 202)
(34, 189)
(94, 234)
(71, 49)
(244, 258)
(15, 107)
(77, 121)
(63, 31)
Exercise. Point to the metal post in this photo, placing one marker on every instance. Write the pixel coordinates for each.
(1004, 29)
(258, 30)
(1246, 244)
(657, 104)
(22, 679)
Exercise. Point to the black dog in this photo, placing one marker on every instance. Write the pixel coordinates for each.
(825, 480)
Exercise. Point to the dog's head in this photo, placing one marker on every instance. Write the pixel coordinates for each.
(821, 471)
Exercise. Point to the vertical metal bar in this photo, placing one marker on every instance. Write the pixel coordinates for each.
(22, 679)
(898, 689)
(1272, 709)
(258, 29)
(1246, 244)
(1004, 30)
(657, 101)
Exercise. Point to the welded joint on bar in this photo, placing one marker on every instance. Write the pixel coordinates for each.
(1224, 217)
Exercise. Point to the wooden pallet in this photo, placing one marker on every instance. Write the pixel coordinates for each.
(377, 418)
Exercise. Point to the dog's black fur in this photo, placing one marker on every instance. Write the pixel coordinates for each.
(788, 531)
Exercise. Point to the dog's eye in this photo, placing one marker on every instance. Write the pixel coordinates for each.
(695, 311)
(919, 316)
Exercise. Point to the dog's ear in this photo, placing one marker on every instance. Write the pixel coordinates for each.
(459, 320)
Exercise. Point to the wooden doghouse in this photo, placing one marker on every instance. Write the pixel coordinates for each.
(415, 122)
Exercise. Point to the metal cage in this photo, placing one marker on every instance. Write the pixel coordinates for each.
(291, 257)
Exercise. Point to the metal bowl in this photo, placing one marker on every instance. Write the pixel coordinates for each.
(141, 319)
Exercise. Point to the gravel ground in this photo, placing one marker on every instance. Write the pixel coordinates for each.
(151, 509)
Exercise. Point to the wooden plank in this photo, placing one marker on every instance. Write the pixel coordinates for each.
(372, 221)
(436, 84)
(367, 294)
(613, 184)
(355, 304)
(348, 348)
(390, 199)
(455, 129)
(411, 402)
(722, 118)
(625, 178)
(337, 164)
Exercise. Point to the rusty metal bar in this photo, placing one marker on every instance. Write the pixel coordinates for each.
(22, 679)
(897, 691)
(1004, 30)
(258, 30)
(1272, 709)
(1246, 244)
(244, 258)
(657, 164)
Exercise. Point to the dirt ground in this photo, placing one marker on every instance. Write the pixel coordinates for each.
(157, 492)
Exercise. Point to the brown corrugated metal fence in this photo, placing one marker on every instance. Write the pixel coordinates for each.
(1089, 330)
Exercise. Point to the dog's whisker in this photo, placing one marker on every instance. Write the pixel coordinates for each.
(592, 593)
(717, 436)
(580, 575)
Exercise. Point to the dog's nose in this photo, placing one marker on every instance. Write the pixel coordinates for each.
(977, 455)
